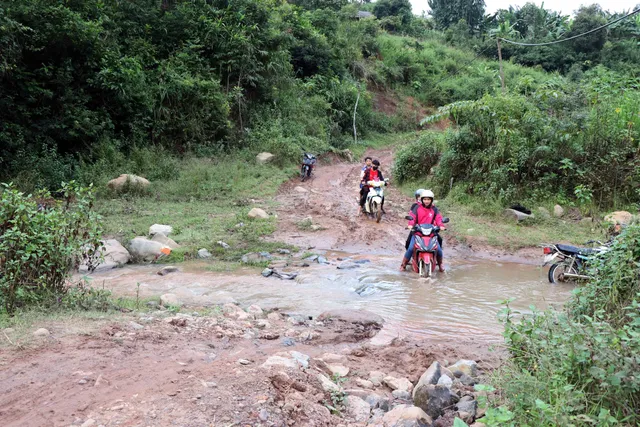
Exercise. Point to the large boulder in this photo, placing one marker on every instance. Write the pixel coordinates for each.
(517, 215)
(357, 409)
(407, 416)
(147, 250)
(619, 217)
(125, 179)
(431, 375)
(558, 211)
(468, 367)
(257, 213)
(161, 238)
(467, 409)
(115, 255)
(433, 399)
(264, 158)
(160, 228)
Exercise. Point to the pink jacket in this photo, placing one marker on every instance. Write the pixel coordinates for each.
(425, 216)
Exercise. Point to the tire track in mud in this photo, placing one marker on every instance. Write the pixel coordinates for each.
(330, 198)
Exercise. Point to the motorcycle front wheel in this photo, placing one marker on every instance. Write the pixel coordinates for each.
(557, 271)
(424, 268)
(303, 173)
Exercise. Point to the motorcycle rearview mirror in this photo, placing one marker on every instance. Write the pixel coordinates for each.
(445, 220)
(408, 218)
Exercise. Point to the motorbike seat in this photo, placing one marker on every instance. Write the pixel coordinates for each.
(575, 250)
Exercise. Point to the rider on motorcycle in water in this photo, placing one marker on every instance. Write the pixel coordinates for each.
(372, 174)
(424, 213)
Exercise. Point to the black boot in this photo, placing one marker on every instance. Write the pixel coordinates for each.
(440, 263)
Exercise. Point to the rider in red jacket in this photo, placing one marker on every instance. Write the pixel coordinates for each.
(424, 213)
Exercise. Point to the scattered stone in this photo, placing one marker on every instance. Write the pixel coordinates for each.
(162, 239)
(377, 401)
(544, 212)
(115, 255)
(82, 381)
(316, 227)
(135, 325)
(407, 416)
(274, 316)
(339, 370)
(334, 358)
(263, 415)
(235, 312)
(468, 367)
(147, 250)
(558, 211)
(297, 320)
(223, 244)
(364, 383)
(288, 342)
(176, 321)
(270, 336)
(357, 408)
(469, 406)
(124, 180)
(170, 300)
(362, 261)
(256, 311)
(347, 265)
(431, 375)
(433, 399)
(517, 215)
(257, 213)
(159, 228)
(401, 384)
(42, 332)
(301, 358)
(467, 380)
(446, 381)
(263, 324)
(265, 157)
(300, 190)
(281, 362)
(254, 258)
(284, 251)
(619, 217)
(376, 377)
(328, 385)
(204, 253)
(244, 362)
(312, 258)
(307, 335)
(401, 394)
(267, 272)
(167, 270)
(357, 317)
(322, 260)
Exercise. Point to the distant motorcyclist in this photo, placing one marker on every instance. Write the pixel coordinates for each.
(367, 165)
(424, 213)
(372, 174)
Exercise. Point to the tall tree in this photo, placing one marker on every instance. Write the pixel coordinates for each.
(507, 31)
(587, 19)
(449, 12)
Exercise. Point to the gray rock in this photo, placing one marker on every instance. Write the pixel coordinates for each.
(223, 244)
(267, 272)
(244, 361)
(280, 362)
(517, 215)
(407, 416)
(257, 213)
(468, 367)
(263, 324)
(376, 377)
(433, 399)
(263, 415)
(167, 270)
(135, 325)
(284, 251)
(288, 342)
(431, 375)
(467, 380)
(322, 260)
(146, 250)
(362, 261)
(256, 311)
(377, 401)
(170, 300)
(400, 384)
(115, 255)
(328, 385)
(347, 265)
(446, 381)
(364, 383)
(162, 239)
(302, 359)
(204, 254)
(468, 405)
(274, 316)
(264, 158)
(558, 211)
(357, 409)
(160, 228)
(42, 332)
(312, 258)
(401, 394)
(357, 317)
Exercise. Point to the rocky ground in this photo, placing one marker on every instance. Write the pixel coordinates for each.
(236, 367)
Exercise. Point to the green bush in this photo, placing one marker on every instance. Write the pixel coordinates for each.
(42, 240)
(415, 160)
(580, 367)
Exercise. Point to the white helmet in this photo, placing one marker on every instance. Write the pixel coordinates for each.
(427, 193)
(418, 192)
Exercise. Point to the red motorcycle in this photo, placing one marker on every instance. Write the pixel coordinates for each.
(425, 248)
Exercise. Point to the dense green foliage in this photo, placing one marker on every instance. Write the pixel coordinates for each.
(449, 12)
(580, 367)
(42, 240)
(575, 141)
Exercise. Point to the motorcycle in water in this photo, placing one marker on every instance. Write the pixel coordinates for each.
(373, 205)
(308, 162)
(425, 248)
(570, 263)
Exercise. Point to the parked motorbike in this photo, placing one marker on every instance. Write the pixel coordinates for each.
(373, 205)
(570, 263)
(308, 162)
(425, 248)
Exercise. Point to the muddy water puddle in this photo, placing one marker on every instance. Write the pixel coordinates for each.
(462, 303)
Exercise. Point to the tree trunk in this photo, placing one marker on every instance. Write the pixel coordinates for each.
(355, 132)
(501, 70)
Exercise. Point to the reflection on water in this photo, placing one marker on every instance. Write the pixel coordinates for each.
(463, 302)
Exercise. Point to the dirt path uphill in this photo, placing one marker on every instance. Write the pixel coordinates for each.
(330, 199)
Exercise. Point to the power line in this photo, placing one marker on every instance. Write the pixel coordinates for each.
(460, 68)
(573, 37)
